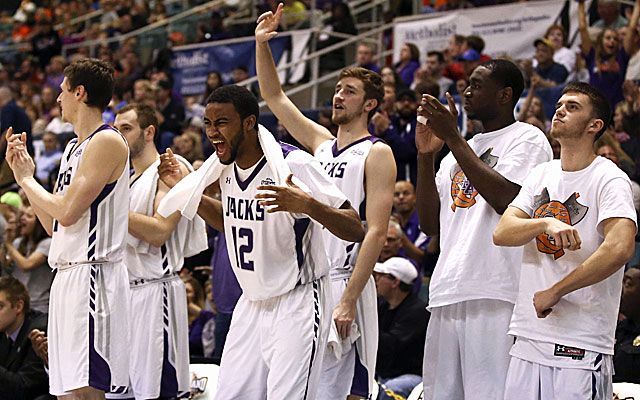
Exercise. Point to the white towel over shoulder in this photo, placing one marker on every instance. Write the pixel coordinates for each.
(185, 196)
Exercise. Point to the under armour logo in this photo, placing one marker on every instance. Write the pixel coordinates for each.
(228, 180)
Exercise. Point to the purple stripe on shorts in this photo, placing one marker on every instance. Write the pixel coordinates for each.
(360, 383)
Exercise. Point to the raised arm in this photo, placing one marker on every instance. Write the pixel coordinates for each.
(613, 253)
(103, 161)
(304, 130)
(380, 177)
(428, 200)
(629, 43)
(155, 229)
(585, 39)
(497, 190)
(522, 116)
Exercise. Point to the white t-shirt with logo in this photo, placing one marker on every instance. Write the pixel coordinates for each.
(585, 318)
(470, 266)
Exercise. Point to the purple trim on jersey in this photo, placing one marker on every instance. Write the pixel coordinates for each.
(165, 259)
(300, 228)
(360, 383)
(169, 377)
(99, 372)
(316, 316)
(245, 184)
(336, 152)
(71, 142)
(362, 209)
(287, 148)
(93, 218)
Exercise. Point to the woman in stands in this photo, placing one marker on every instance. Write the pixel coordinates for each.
(27, 254)
(200, 319)
(409, 63)
(606, 59)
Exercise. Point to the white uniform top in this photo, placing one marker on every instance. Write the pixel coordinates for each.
(145, 261)
(99, 234)
(585, 318)
(470, 266)
(346, 168)
(271, 253)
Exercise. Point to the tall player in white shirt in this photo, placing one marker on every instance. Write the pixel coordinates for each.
(88, 317)
(474, 284)
(274, 236)
(576, 219)
(364, 169)
(159, 326)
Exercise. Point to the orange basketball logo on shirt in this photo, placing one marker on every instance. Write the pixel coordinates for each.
(570, 212)
(462, 191)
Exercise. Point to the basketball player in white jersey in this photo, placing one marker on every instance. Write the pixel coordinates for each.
(474, 284)
(363, 167)
(576, 220)
(88, 311)
(274, 236)
(159, 326)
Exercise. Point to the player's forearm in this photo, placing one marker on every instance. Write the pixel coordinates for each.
(267, 73)
(428, 201)
(492, 186)
(342, 222)
(367, 258)
(609, 258)
(155, 230)
(210, 210)
(514, 231)
(46, 220)
(50, 204)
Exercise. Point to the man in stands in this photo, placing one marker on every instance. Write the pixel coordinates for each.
(364, 57)
(403, 320)
(22, 374)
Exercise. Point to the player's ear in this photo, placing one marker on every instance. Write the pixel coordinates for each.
(150, 132)
(596, 125)
(250, 123)
(370, 104)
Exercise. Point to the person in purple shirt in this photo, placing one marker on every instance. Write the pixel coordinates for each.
(226, 291)
(606, 60)
(401, 133)
(409, 62)
(364, 57)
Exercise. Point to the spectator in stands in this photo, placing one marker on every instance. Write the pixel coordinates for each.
(171, 109)
(22, 374)
(158, 13)
(402, 321)
(433, 70)
(626, 353)
(11, 115)
(197, 315)
(142, 89)
(608, 148)
(393, 243)
(226, 291)
(606, 60)
(55, 74)
(48, 101)
(476, 43)
(389, 75)
(470, 59)
(561, 54)
(364, 57)
(29, 71)
(340, 21)
(214, 81)
(27, 255)
(386, 114)
(188, 145)
(414, 241)
(46, 43)
(241, 73)
(609, 11)
(532, 110)
(548, 73)
(48, 159)
(452, 54)
(216, 27)
(294, 14)
(408, 63)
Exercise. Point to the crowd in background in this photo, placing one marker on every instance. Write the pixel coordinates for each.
(30, 81)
